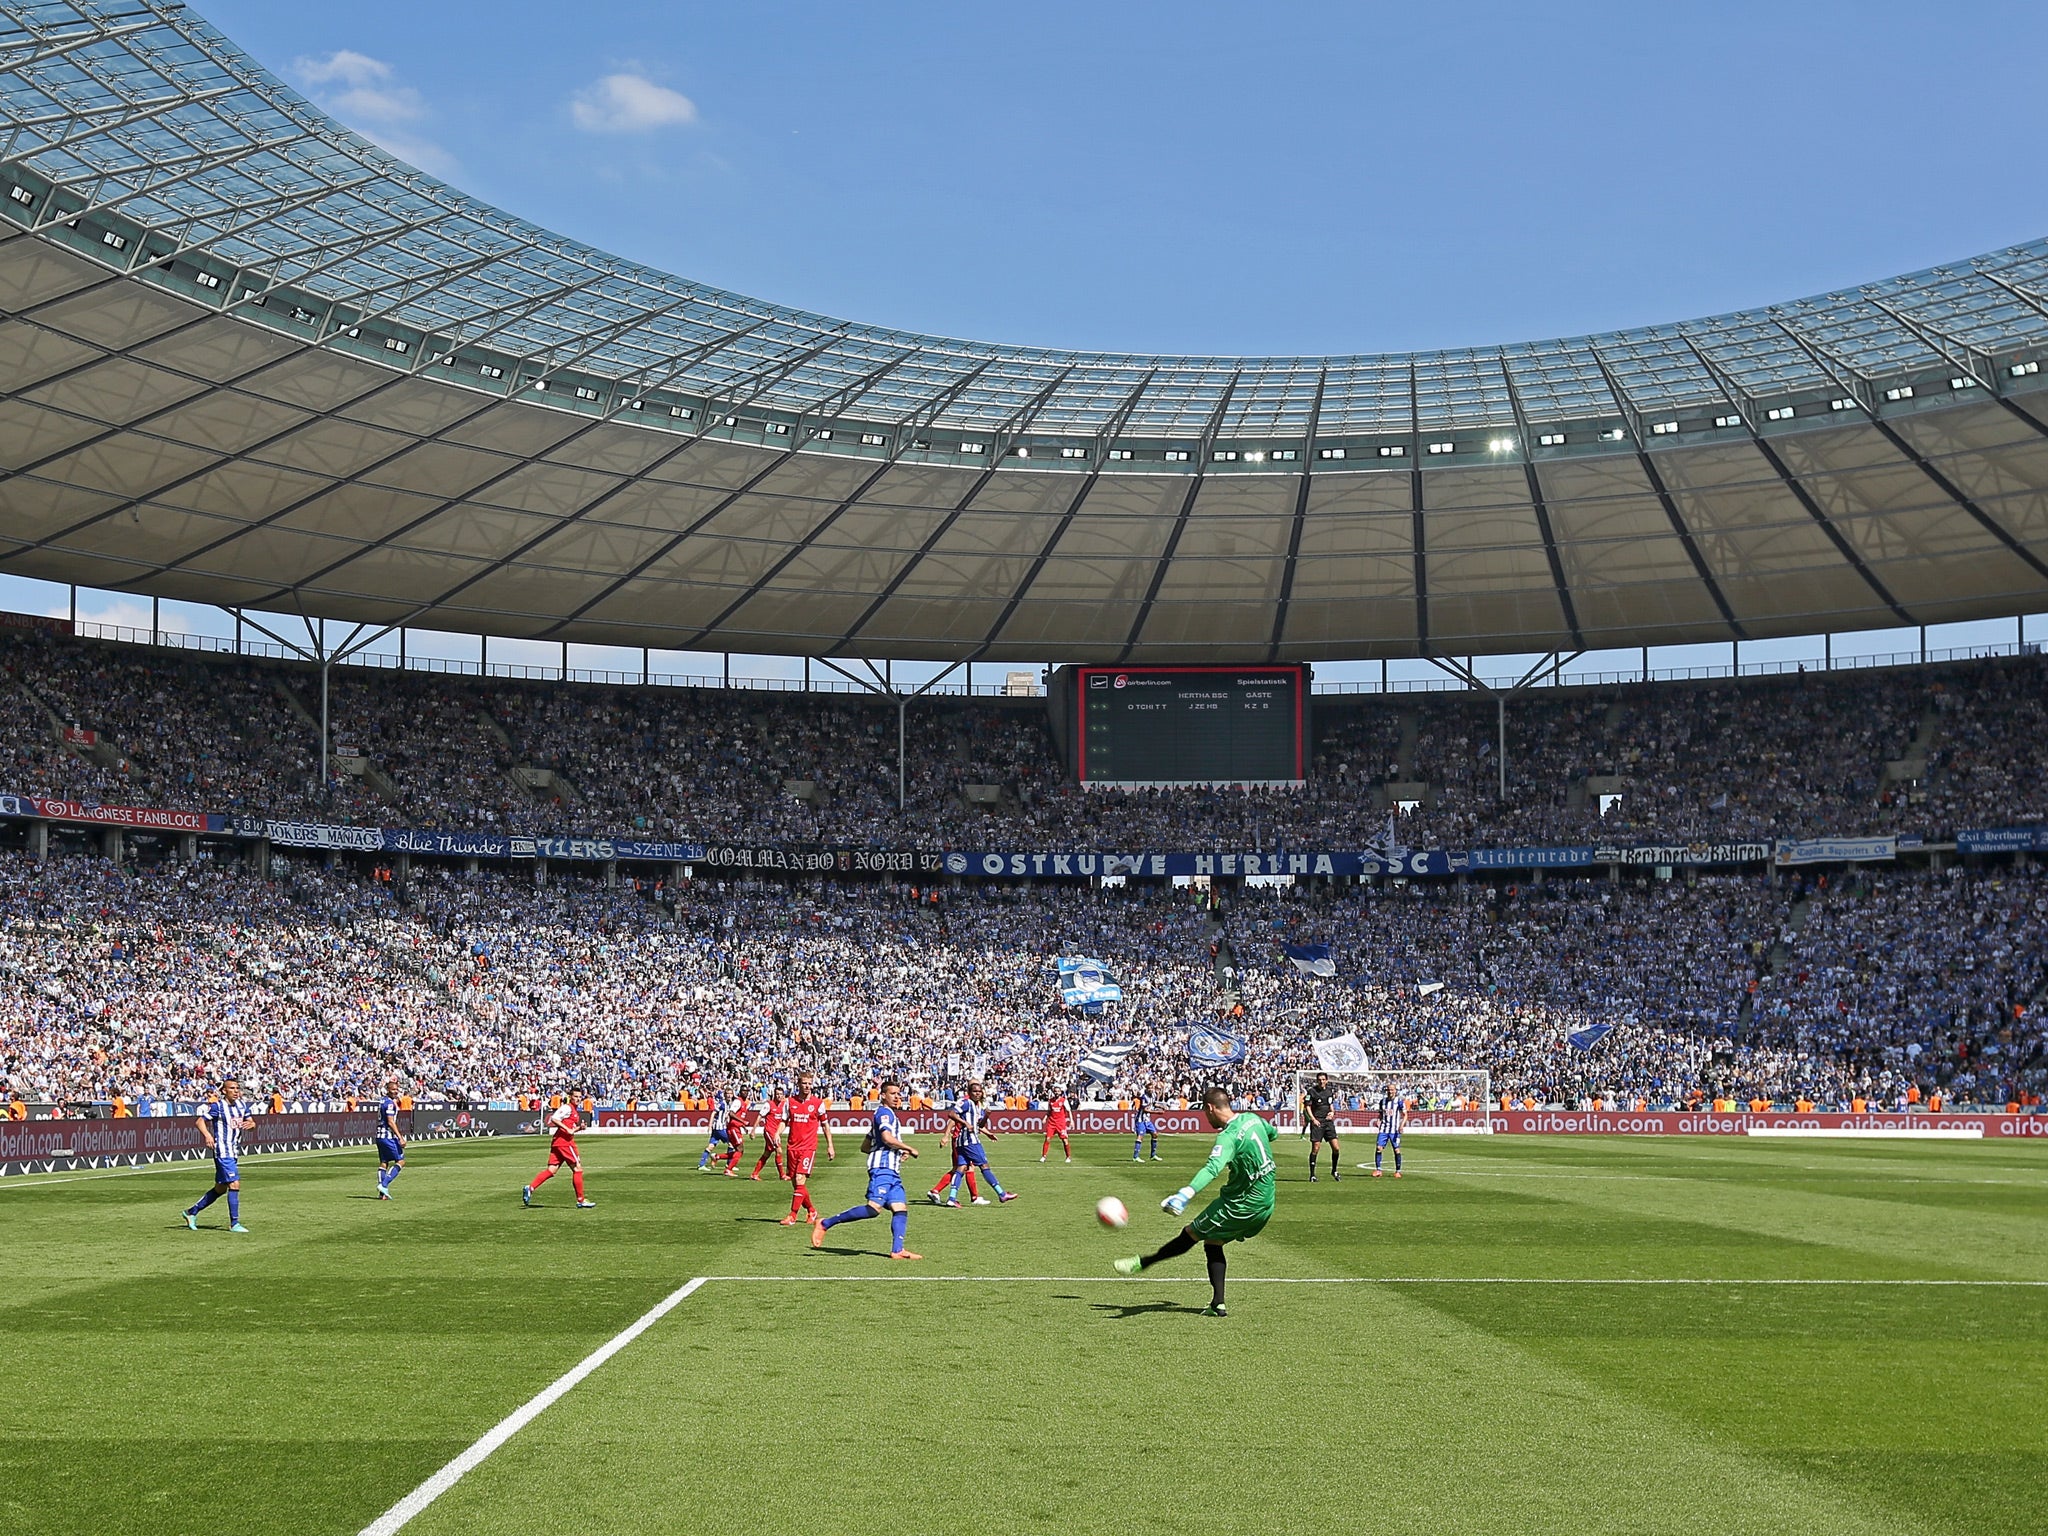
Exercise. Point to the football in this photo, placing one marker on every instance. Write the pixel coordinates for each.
(1111, 1213)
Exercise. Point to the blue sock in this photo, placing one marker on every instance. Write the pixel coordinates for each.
(1375, 1157)
(851, 1213)
(953, 1186)
(204, 1201)
(899, 1223)
(234, 1205)
(1137, 1146)
(990, 1174)
(706, 1158)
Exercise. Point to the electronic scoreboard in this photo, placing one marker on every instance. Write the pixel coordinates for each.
(1182, 725)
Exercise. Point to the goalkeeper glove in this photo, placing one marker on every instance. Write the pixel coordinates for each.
(1177, 1202)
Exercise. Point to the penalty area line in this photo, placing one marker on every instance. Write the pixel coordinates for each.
(1184, 1279)
(413, 1504)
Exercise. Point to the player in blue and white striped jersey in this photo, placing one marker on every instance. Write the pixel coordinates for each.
(1393, 1116)
(390, 1142)
(966, 1117)
(886, 1149)
(221, 1122)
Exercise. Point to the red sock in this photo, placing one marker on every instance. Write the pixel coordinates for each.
(807, 1203)
(942, 1183)
(733, 1161)
(576, 1178)
(541, 1178)
(1047, 1147)
(1066, 1146)
(973, 1189)
(761, 1161)
(796, 1202)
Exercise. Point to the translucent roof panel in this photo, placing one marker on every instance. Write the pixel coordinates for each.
(149, 114)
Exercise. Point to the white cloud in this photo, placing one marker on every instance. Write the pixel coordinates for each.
(366, 94)
(626, 103)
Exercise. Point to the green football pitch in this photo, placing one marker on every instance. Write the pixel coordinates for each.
(1522, 1335)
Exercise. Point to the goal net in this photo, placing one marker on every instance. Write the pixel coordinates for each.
(1439, 1099)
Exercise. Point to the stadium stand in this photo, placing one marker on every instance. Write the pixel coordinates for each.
(1905, 751)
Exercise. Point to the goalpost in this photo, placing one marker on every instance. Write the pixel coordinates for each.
(1441, 1100)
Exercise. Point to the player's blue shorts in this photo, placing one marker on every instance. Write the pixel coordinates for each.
(1389, 1139)
(388, 1149)
(885, 1187)
(974, 1153)
(719, 1133)
(1147, 1128)
(226, 1170)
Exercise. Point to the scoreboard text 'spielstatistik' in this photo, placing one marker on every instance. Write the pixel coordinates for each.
(1189, 725)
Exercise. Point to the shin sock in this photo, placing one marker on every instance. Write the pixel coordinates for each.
(1172, 1248)
(899, 1223)
(1214, 1253)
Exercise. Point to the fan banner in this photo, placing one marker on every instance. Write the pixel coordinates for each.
(1839, 850)
(1162, 865)
(2003, 840)
(140, 817)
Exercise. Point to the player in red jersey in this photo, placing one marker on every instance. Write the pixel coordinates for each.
(563, 1123)
(1056, 1123)
(804, 1113)
(773, 1114)
(736, 1122)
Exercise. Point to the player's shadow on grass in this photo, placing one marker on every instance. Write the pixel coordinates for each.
(767, 1221)
(1118, 1312)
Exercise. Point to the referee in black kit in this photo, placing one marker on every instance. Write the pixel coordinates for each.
(1322, 1123)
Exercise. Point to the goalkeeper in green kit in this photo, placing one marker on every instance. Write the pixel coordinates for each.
(1244, 1150)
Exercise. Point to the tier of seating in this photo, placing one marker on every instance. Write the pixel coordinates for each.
(1912, 751)
(319, 982)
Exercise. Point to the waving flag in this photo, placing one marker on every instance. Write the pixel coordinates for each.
(1344, 1054)
(1429, 989)
(1086, 983)
(1209, 1047)
(1102, 1062)
(1312, 959)
(1585, 1039)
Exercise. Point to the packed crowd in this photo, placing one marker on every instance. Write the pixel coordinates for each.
(317, 984)
(1792, 756)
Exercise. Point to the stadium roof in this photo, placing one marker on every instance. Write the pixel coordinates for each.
(247, 357)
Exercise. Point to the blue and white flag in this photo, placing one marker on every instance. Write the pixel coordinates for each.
(1344, 1054)
(1085, 983)
(1429, 989)
(1208, 1047)
(1585, 1039)
(1312, 959)
(1102, 1062)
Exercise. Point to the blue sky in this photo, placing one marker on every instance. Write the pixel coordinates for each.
(1189, 177)
(1306, 177)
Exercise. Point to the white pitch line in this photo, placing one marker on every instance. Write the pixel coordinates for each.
(406, 1509)
(1185, 1279)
